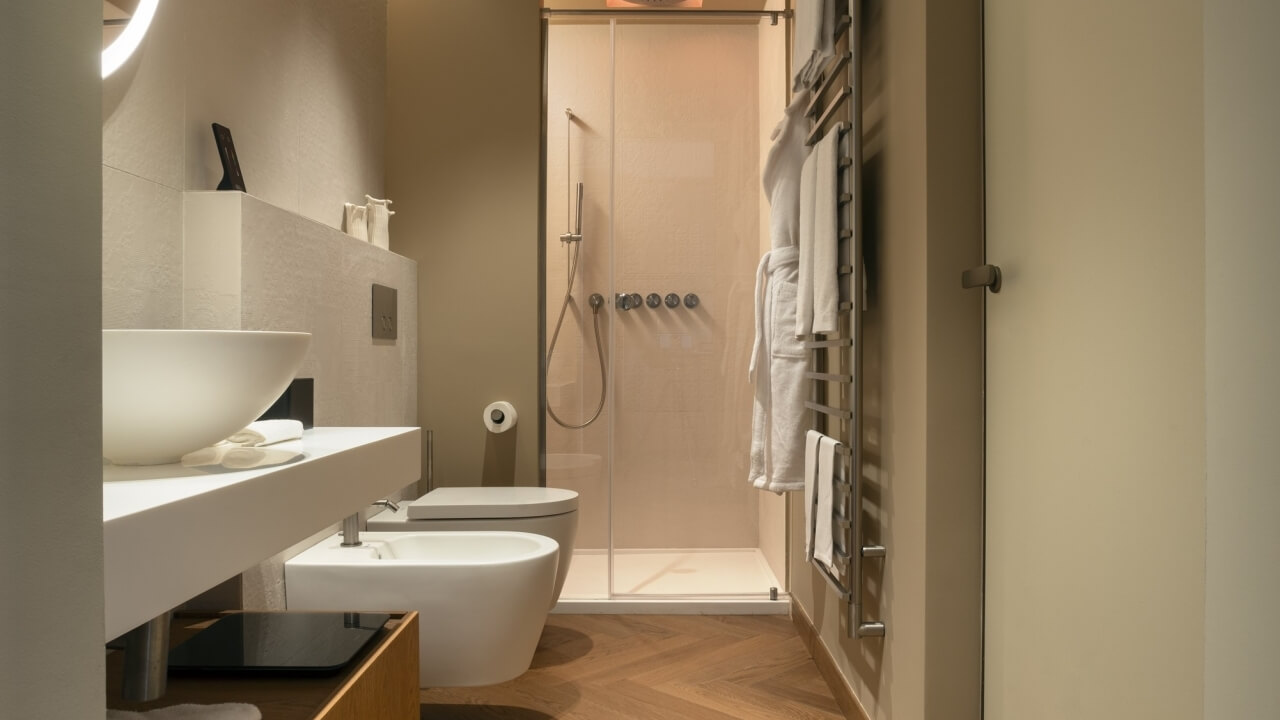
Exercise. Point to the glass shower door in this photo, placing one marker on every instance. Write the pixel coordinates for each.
(665, 125)
(686, 225)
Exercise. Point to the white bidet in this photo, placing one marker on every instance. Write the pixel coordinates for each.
(481, 596)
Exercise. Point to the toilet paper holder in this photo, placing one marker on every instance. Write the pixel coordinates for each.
(499, 416)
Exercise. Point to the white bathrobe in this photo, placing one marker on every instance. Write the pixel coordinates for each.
(778, 361)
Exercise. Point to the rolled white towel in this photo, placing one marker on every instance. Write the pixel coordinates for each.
(222, 711)
(266, 432)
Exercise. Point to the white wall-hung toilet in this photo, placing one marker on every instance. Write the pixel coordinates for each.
(551, 512)
(481, 596)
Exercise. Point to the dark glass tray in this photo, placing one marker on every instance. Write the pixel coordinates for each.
(279, 642)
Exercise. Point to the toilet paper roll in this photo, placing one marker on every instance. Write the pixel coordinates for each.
(499, 416)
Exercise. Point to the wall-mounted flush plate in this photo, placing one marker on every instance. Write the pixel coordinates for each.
(384, 312)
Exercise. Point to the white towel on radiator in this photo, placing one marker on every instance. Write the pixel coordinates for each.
(825, 256)
(804, 283)
(813, 39)
(818, 289)
(824, 479)
(812, 439)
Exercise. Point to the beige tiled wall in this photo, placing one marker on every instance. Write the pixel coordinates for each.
(300, 84)
(677, 210)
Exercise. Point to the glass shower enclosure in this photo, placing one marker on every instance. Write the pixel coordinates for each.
(656, 131)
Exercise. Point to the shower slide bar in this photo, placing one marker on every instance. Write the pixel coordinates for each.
(836, 358)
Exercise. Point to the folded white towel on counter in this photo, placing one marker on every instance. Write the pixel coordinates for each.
(221, 711)
(237, 457)
(266, 432)
(825, 479)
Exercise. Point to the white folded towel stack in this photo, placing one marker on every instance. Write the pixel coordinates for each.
(266, 432)
(222, 711)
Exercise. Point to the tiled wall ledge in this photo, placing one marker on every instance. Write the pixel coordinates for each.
(249, 265)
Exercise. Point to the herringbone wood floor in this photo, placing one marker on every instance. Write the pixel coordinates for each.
(653, 667)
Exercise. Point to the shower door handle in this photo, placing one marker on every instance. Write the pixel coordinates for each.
(987, 276)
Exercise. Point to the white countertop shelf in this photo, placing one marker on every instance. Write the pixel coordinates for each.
(171, 532)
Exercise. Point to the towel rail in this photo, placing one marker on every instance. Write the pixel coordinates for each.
(826, 78)
(816, 131)
(838, 342)
(830, 377)
(836, 358)
(828, 410)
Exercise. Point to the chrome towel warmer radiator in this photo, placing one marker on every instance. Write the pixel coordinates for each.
(835, 359)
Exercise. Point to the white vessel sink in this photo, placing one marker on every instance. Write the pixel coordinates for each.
(166, 393)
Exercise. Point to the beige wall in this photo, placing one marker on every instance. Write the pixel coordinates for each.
(51, 659)
(1095, 462)
(301, 85)
(1242, 256)
(922, 375)
(463, 89)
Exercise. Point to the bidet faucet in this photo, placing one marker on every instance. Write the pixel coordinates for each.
(351, 524)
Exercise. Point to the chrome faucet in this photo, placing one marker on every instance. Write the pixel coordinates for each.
(351, 524)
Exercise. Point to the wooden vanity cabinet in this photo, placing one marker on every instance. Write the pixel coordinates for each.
(381, 682)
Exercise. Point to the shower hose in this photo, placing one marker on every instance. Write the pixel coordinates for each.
(596, 301)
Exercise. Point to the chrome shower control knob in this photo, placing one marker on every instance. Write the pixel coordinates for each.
(636, 300)
(691, 301)
(653, 300)
(622, 301)
(672, 300)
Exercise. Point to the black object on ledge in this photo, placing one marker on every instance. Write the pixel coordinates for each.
(297, 402)
(232, 179)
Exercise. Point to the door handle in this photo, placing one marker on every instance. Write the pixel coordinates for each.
(987, 276)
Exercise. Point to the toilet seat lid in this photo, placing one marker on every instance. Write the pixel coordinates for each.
(478, 503)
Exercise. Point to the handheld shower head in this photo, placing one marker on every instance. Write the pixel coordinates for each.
(578, 226)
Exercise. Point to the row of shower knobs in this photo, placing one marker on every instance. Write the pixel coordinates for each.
(627, 301)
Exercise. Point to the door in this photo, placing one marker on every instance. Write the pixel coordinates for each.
(1095, 460)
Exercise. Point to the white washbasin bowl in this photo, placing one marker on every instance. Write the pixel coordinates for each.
(166, 393)
(482, 596)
